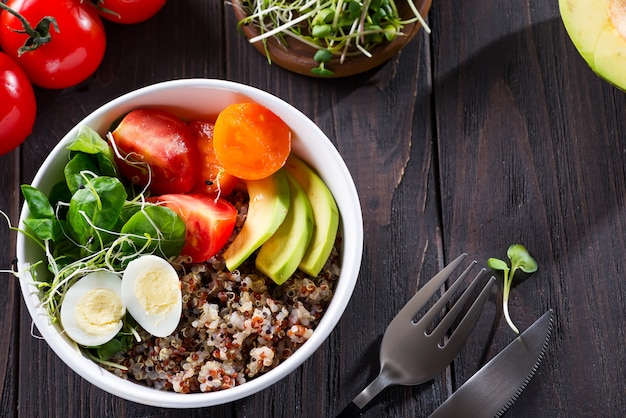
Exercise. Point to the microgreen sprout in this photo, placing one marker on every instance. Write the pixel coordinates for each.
(322, 56)
(339, 28)
(520, 259)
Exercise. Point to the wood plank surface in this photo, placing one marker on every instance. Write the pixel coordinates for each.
(489, 131)
(541, 142)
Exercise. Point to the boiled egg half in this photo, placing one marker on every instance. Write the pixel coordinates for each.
(151, 293)
(92, 309)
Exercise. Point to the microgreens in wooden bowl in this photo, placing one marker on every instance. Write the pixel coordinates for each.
(330, 38)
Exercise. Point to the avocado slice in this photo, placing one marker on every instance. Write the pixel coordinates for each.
(269, 204)
(325, 215)
(279, 257)
(597, 29)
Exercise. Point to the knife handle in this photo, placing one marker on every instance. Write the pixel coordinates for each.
(351, 410)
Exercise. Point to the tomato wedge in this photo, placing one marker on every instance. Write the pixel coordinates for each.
(250, 141)
(162, 141)
(209, 221)
(214, 179)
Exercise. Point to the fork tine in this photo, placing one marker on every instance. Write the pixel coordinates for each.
(442, 328)
(436, 309)
(419, 300)
(465, 327)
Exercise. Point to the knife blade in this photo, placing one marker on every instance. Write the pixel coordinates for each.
(493, 389)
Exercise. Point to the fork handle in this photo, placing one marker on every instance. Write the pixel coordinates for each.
(354, 408)
(351, 410)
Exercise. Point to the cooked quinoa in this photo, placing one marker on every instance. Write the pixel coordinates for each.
(234, 326)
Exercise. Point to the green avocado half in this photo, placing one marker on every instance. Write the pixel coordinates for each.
(597, 29)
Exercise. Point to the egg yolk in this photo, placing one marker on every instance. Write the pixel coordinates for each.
(155, 295)
(99, 311)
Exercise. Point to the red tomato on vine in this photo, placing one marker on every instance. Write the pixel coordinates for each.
(128, 11)
(63, 45)
(17, 105)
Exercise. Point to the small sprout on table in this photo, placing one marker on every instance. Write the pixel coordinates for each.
(520, 259)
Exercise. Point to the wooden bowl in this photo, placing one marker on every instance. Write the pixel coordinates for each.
(298, 57)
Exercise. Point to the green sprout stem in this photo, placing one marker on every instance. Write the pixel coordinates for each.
(508, 279)
(520, 260)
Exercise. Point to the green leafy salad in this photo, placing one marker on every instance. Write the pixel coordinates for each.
(93, 221)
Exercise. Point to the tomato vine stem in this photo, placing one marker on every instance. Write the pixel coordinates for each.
(37, 36)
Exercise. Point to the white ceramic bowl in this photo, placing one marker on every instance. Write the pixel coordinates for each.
(195, 98)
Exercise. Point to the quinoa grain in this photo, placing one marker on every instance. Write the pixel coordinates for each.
(234, 326)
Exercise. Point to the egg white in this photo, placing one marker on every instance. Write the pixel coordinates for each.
(92, 310)
(151, 293)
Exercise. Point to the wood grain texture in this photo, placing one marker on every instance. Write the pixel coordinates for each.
(489, 131)
(9, 296)
(542, 152)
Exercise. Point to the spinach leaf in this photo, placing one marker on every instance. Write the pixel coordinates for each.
(158, 228)
(37, 202)
(95, 208)
(107, 166)
(89, 141)
(128, 211)
(59, 198)
(75, 169)
(64, 247)
(44, 229)
(117, 344)
(42, 220)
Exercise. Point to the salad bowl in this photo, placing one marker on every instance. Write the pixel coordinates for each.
(190, 99)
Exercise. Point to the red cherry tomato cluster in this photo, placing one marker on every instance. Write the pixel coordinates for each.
(52, 44)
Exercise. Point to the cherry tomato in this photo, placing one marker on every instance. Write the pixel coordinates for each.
(128, 11)
(250, 141)
(17, 105)
(213, 179)
(209, 221)
(71, 55)
(159, 139)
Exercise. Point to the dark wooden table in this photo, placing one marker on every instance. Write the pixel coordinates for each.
(489, 131)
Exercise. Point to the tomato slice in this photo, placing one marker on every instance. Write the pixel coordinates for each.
(162, 141)
(209, 221)
(250, 141)
(214, 179)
